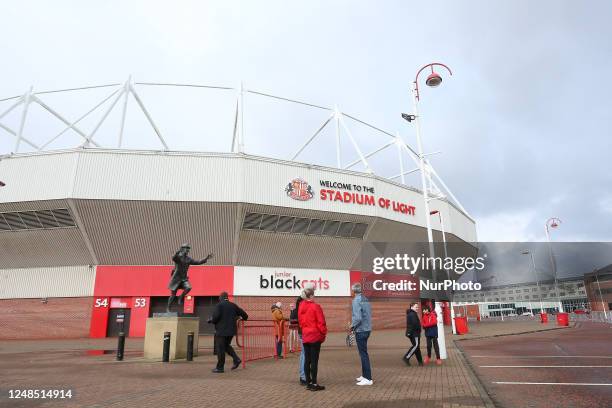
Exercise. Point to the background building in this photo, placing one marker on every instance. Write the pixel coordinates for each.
(599, 289)
(516, 299)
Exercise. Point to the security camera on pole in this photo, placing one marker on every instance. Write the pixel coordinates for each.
(433, 80)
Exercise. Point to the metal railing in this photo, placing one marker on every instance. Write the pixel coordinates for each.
(256, 339)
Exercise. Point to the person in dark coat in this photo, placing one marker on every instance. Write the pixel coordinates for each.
(224, 318)
(179, 279)
(413, 332)
(293, 319)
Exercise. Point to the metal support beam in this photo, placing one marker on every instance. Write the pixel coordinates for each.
(12, 132)
(405, 173)
(70, 126)
(60, 117)
(13, 106)
(433, 171)
(234, 136)
(356, 146)
(311, 138)
(95, 129)
(27, 98)
(337, 123)
(149, 118)
(126, 94)
(367, 156)
(398, 144)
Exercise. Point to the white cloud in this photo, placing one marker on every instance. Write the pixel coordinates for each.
(506, 227)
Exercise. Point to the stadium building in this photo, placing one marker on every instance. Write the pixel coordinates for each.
(89, 233)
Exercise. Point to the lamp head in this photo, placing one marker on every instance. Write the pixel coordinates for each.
(408, 117)
(434, 212)
(433, 80)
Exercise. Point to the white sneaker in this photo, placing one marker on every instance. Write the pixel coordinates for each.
(359, 378)
(365, 381)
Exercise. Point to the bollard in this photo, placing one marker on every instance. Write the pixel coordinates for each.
(166, 354)
(190, 346)
(120, 346)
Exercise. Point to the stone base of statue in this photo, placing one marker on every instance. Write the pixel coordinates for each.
(178, 328)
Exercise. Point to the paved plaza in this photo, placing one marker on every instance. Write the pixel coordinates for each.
(97, 380)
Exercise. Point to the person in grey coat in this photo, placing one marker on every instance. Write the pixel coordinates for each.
(361, 325)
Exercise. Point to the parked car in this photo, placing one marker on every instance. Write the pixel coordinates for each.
(527, 314)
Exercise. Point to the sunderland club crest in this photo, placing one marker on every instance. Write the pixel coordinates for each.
(299, 189)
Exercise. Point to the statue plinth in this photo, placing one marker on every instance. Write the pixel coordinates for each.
(178, 327)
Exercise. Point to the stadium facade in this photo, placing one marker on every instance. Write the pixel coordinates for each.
(86, 234)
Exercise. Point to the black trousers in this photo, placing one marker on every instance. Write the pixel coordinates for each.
(311, 361)
(223, 344)
(415, 349)
(433, 340)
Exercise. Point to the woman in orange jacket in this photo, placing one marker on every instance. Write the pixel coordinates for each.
(279, 328)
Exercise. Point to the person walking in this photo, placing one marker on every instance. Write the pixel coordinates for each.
(293, 319)
(430, 324)
(361, 325)
(413, 332)
(224, 318)
(314, 330)
(279, 328)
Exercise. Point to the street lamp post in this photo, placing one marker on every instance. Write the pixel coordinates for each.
(433, 80)
(553, 223)
(450, 303)
(528, 252)
(603, 305)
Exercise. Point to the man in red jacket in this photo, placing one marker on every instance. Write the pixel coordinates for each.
(314, 330)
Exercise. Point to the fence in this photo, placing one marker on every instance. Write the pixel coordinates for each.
(256, 339)
(599, 317)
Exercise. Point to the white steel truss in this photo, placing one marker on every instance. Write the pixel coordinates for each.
(128, 88)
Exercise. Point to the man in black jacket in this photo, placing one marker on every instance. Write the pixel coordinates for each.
(224, 318)
(413, 332)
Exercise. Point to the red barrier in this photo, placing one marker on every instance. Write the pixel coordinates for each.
(257, 341)
(461, 325)
(446, 313)
(563, 319)
(543, 318)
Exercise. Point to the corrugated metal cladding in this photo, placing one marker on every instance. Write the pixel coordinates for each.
(300, 251)
(38, 248)
(66, 281)
(166, 177)
(37, 177)
(33, 205)
(230, 178)
(150, 232)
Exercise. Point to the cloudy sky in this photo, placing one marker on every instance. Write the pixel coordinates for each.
(524, 124)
